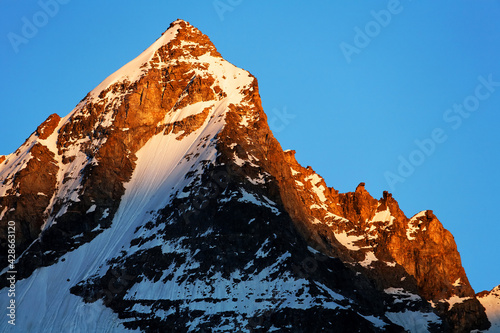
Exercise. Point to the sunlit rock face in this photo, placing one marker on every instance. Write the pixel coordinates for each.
(163, 202)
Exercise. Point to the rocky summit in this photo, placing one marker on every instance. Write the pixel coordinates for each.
(163, 203)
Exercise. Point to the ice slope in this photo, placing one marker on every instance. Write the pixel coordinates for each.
(159, 175)
(230, 78)
(160, 171)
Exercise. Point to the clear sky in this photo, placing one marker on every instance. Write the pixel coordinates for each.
(403, 95)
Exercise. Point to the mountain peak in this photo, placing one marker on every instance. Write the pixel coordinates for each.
(178, 86)
(181, 41)
(164, 190)
(179, 21)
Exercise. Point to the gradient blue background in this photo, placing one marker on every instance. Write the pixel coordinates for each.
(351, 121)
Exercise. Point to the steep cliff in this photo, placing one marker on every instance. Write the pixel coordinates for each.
(164, 202)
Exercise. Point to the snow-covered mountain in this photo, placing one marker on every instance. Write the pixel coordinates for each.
(163, 203)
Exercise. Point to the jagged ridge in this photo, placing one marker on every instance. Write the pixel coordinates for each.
(166, 178)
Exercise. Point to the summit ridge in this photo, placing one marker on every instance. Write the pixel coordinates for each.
(163, 202)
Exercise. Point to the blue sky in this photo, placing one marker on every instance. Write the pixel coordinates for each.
(356, 88)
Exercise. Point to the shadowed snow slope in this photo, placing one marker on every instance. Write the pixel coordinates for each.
(163, 202)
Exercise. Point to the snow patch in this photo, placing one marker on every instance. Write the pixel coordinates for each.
(91, 209)
(384, 216)
(377, 322)
(369, 259)
(491, 303)
(252, 198)
(348, 240)
(3, 212)
(260, 253)
(403, 294)
(457, 283)
(336, 218)
(413, 226)
(105, 213)
(420, 214)
(453, 300)
(314, 178)
(413, 321)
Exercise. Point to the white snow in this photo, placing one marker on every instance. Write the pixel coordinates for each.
(369, 259)
(252, 198)
(160, 168)
(384, 216)
(420, 214)
(105, 213)
(455, 300)
(3, 212)
(314, 179)
(250, 296)
(336, 219)
(348, 240)
(257, 181)
(313, 250)
(320, 192)
(239, 162)
(232, 79)
(68, 184)
(411, 230)
(15, 163)
(413, 225)
(91, 209)
(402, 294)
(413, 321)
(491, 303)
(244, 121)
(188, 111)
(377, 322)
(315, 221)
(457, 283)
(135, 69)
(260, 253)
(55, 308)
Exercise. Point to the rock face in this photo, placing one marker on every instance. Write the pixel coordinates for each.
(377, 234)
(163, 202)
